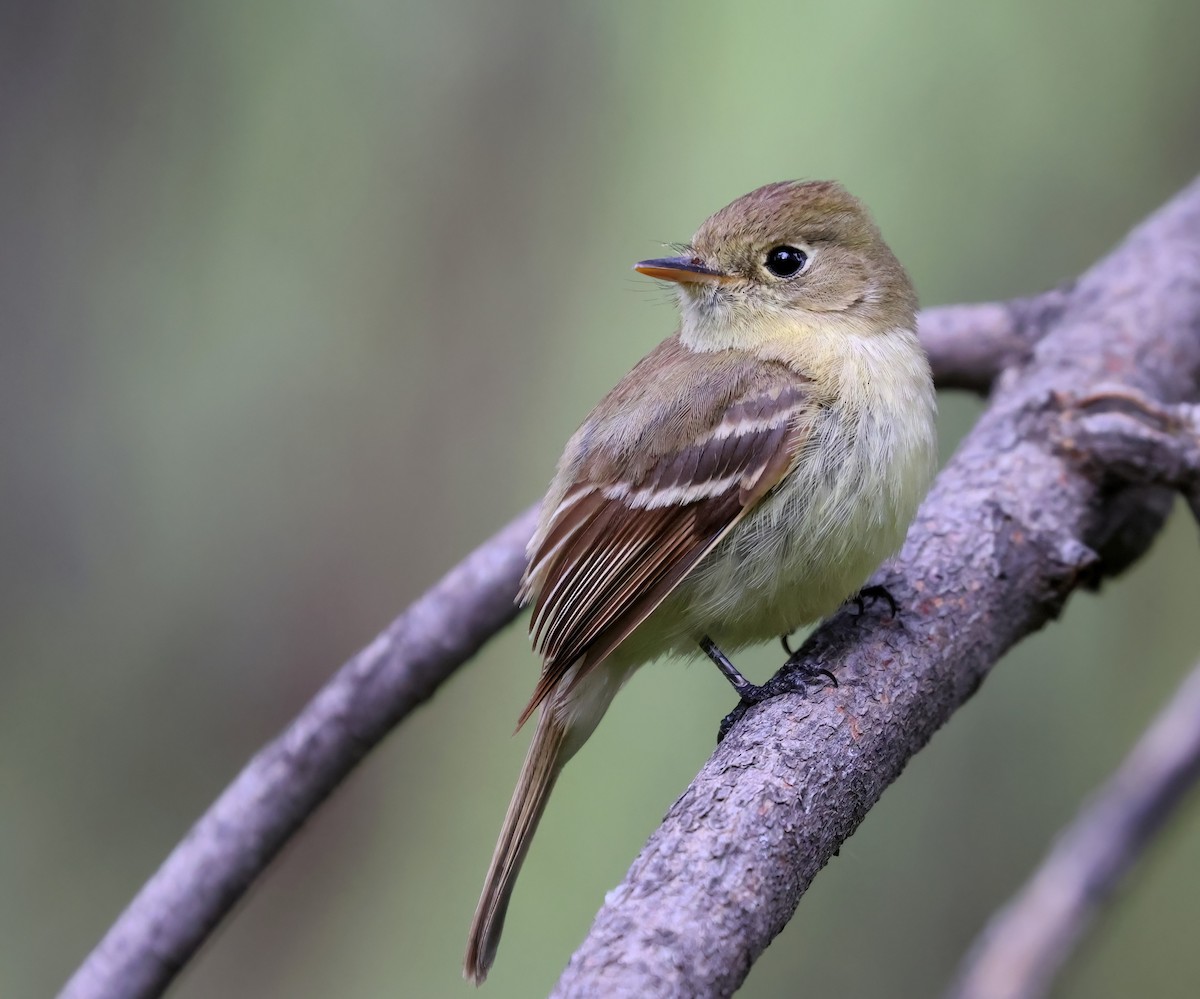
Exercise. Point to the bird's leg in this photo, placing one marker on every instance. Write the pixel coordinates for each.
(795, 676)
(749, 692)
(873, 593)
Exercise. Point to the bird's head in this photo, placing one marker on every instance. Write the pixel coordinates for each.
(788, 256)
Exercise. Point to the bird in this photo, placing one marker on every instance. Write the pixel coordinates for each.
(744, 479)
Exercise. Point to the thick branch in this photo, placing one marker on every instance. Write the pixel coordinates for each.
(1011, 526)
(1025, 946)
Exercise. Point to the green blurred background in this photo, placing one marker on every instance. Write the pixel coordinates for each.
(298, 303)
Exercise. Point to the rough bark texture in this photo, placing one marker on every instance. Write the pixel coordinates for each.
(1134, 439)
(1013, 524)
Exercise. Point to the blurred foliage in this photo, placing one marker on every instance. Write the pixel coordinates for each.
(299, 301)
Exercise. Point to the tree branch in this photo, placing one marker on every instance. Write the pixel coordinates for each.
(996, 342)
(1011, 527)
(1024, 947)
(283, 784)
(969, 347)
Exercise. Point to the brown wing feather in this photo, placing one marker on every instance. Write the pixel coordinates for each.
(617, 545)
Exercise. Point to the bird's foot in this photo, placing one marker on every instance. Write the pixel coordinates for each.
(796, 677)
(869, 594)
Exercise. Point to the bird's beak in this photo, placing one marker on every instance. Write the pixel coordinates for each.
(682, 270)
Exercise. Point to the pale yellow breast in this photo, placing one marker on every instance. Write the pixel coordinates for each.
(843, 509)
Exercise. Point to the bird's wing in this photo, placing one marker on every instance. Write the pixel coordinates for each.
(647, 488)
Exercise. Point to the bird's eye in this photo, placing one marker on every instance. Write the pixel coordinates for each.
(786, 261)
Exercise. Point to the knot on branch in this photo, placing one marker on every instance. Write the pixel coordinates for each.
(1124, 436)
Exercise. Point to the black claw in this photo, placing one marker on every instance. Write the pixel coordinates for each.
(873, 593)
(821, 671)
(793, 677)
(797, 675)
(783, 640)
(730, 720)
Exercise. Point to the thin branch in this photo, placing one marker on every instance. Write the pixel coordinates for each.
(995, 342)
(238, 836)
(284, 783)
(1027, 943)
(1011, 527)
(970, 345)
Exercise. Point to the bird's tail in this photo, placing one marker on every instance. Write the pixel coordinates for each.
(565, 721)
(543, 763)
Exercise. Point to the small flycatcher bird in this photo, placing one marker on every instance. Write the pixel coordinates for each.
(744, 479)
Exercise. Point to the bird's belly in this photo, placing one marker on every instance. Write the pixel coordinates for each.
(776, 576)
(809, 546)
